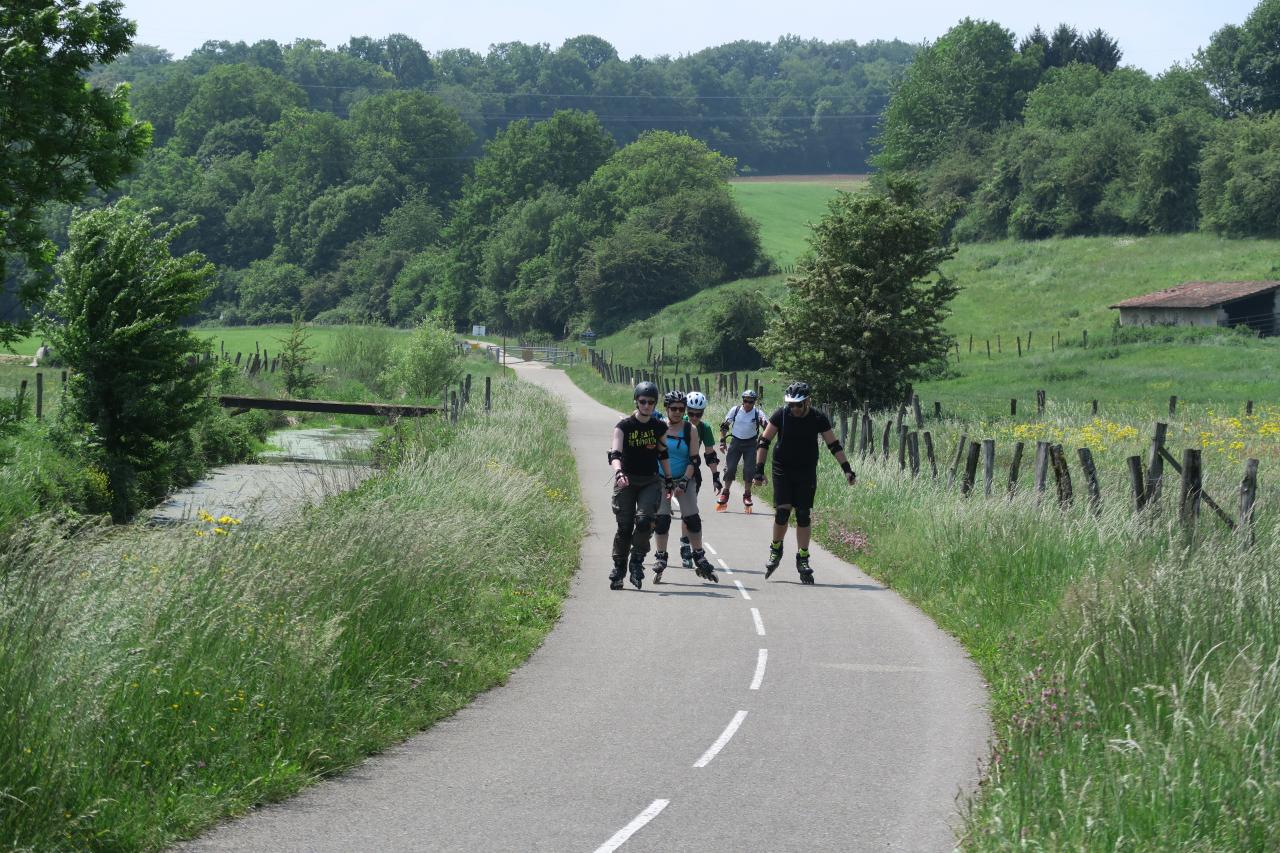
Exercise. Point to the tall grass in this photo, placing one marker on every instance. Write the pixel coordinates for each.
(152, 681)
(1135, 670)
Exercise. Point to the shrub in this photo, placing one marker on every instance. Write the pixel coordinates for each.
(424, 364)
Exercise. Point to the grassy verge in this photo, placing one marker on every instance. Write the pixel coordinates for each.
(1133, 670)
(153, 681)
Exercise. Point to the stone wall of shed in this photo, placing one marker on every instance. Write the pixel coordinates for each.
(1173, 317)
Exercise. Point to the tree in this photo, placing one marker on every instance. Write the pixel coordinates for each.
(58, 136)
(863, 317)
(426, 363)
(726, 330)
(114, 317)
(1242, 64)
(296, 354)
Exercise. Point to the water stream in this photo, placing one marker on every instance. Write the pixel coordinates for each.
(309, 465)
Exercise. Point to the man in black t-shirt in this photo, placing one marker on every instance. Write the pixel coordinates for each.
(797, 426)
(639, 450)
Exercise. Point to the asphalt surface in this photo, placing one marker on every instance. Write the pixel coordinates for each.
(845, 719)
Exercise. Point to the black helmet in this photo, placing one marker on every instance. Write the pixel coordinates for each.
(797, 392)
(673, 397)
(750, 394)
(645, 389)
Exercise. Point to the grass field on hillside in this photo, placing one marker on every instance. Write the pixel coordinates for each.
(785, 209)
(1009, 288)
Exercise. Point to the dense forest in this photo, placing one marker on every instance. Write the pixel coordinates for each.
(1051, 136)
(527, 187)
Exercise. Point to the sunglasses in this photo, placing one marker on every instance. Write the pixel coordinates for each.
(642, 401)
(695, 413)
(799, 405)
(675, 408)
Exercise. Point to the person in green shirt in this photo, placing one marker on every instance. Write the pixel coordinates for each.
(696, 402)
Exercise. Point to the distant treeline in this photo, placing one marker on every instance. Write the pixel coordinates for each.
(1050, 136)
(794, 105)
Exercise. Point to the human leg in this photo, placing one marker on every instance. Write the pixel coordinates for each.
(624, 513)
(647, 498)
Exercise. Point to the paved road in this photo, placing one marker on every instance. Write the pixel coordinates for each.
(744, 716)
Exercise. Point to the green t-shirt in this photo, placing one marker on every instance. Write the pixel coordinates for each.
(705, 435)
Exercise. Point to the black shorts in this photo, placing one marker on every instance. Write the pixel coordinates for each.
(795, 488)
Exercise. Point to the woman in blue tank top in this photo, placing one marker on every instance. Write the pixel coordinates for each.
(682, 448)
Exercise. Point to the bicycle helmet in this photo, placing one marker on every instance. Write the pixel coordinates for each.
(797, 392)
(673, 397)
(696, 401)
(645, 389)
(750, 394)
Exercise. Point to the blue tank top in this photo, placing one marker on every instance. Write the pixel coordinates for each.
(678, 449)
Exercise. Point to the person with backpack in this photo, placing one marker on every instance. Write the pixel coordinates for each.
(639, 458)
(797, 425)
(738, 436)
(683, 442)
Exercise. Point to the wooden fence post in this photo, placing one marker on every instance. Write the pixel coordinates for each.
(1019, 346)
(1155, 466)
(988, 465)
(970, 468)
(937, 410)
(1091, 479)
(1192, 486)
(488, 394)
(928, 450)
(1095, 408)
(466, 389)
(1084, 341)
(988, 349)
(902, 447)
(955, 463)
(453, 407)
(1041, 401)
(1248, 408)
(1135, 483)
(1061, 475)
(913, 452)
(1014, 466)
(1248, 497)
(1013, 407)
(865, 436)
(39, 396)
(915, 409)
(1173, 405)
(22, 396)
(884, 441)
(1041, 472)
(1028, 342)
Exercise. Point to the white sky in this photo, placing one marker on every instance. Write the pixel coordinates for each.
(1153, 35)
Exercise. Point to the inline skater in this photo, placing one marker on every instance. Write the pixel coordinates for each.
(697, 403)
(682, 444)
(741, 430)
(797, 426)
(637, 456)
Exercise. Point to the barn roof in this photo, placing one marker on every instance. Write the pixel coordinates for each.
(1199, 294)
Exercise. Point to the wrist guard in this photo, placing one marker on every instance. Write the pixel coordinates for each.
(668, 484)
(763, 443)
(683, 482)
(711, 456)
(835, 446)
(846, 467)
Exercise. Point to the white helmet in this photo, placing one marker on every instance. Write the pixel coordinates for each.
(696, 400)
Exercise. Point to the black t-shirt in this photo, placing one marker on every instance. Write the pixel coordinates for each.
(641, 444)
(796, 444)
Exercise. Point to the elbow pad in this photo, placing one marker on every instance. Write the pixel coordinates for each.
(663, 454)
(614, 454)
(835, 446)
(763, 443)
(712, 457)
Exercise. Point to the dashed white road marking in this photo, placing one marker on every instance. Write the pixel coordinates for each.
(755, 614)
(707, 545)
(725, 737)
(724, 565)
(760, 664)
(620, 837)
(743, 590)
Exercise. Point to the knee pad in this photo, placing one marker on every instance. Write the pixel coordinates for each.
(645, 524)
(728, 477)
(694, 523)
(802, 517)
(662, 525)
(782, 515)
